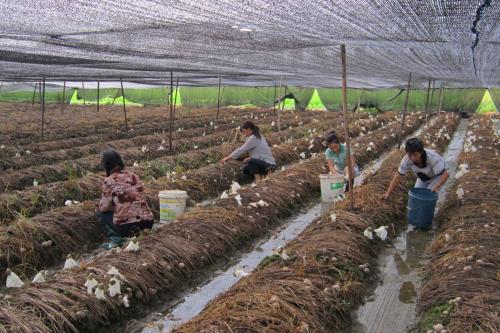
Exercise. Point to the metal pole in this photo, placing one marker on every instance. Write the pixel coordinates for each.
(97, 96)
(124, 108)
(218, 101)
(175, 95)
(346, 126)
(282, 109)
(279, 107)
(42, 105)
(170, 123)
(404, 111)
(427, 99)
(39, 92)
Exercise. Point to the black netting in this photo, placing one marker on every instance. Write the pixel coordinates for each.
(253, 43)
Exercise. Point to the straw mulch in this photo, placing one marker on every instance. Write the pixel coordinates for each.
(75, 168)
(316, 288)
(462, 277)
(169, 257)
(35, 200)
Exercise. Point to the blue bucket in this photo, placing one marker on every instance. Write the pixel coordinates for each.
(421, 205)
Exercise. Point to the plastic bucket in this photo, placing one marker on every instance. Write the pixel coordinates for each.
(172, 204)
(331, 187)
(421, 205)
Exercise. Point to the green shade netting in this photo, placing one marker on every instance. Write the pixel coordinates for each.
(150, 96)
(26, 96)
(487, 104)
(315, 103)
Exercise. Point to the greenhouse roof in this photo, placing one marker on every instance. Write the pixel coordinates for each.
(456, 42)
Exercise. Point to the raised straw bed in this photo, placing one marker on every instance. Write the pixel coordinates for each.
(74, 229)
(461, 290)
(326, 270)
(170, 257)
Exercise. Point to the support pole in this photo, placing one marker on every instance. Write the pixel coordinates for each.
(175, 95)
(218, 101)
(279, 107)
(40, 92)
(83, 91)
(124, 108)
(274, 100)
(42, 106)
(34, 94)
(282, 110)
(170, 123)
(405, 108)
(432, 96)
(98, 96)
(427, 99)
(63, 97)
(359, 99)
(440, 99)
(346, 126)
(116, 96)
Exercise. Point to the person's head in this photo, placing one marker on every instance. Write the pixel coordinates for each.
(414, 148)
(111, 161)
(248, 128)
(332, 141)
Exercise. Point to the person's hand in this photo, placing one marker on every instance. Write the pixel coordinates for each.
(435, 189)
(223, 160)
(246, 160)
(384, 196)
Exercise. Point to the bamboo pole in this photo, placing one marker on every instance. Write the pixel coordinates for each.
(83, 91)
(39, 92)
(432, 96)
(63, 97)
(116, 96)
(440, 99)
(34, 94)
(405, 108)
(42, 106)
(346, 126)
(98, 96)
(218, 100)
(170, 123)
(175, 95)
(282, 110)
(427, 99)
(124, 107)
(274, 100)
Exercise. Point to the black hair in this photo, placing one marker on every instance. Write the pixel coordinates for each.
(331, 138)
(414, 145)
(110, 160)
(249, 125)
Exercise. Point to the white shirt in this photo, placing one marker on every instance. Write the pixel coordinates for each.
(433, 165)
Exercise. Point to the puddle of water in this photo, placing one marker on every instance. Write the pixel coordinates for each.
(391, 308)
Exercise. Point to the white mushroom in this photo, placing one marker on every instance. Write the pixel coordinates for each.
(13, 281)
(381, 232)
(133, 246)
(368, 233)
(39, 277)
(91, 283)
(70, 262)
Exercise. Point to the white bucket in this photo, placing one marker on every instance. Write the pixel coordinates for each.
(331, 187)
(172, 204)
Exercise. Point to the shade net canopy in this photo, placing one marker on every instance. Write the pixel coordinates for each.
(253, 43)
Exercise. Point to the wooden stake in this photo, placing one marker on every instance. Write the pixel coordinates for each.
(404, 111)
(282, 110)
(124, 108)
(34, 94)
(218, 100)
(83, 88)
(97, 96)
(359, 99)
(175, 95)
(274, 100)
(427, 99)
(63, 97)
(116, 96)
(170, 123)
(42, 105)
(440, 99)
(39, 92)
(346, 126)
(432, 96)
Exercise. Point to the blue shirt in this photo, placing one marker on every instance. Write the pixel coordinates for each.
(339, 159)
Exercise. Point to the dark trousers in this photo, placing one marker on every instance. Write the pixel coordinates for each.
(121, 230)
(256, 166)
